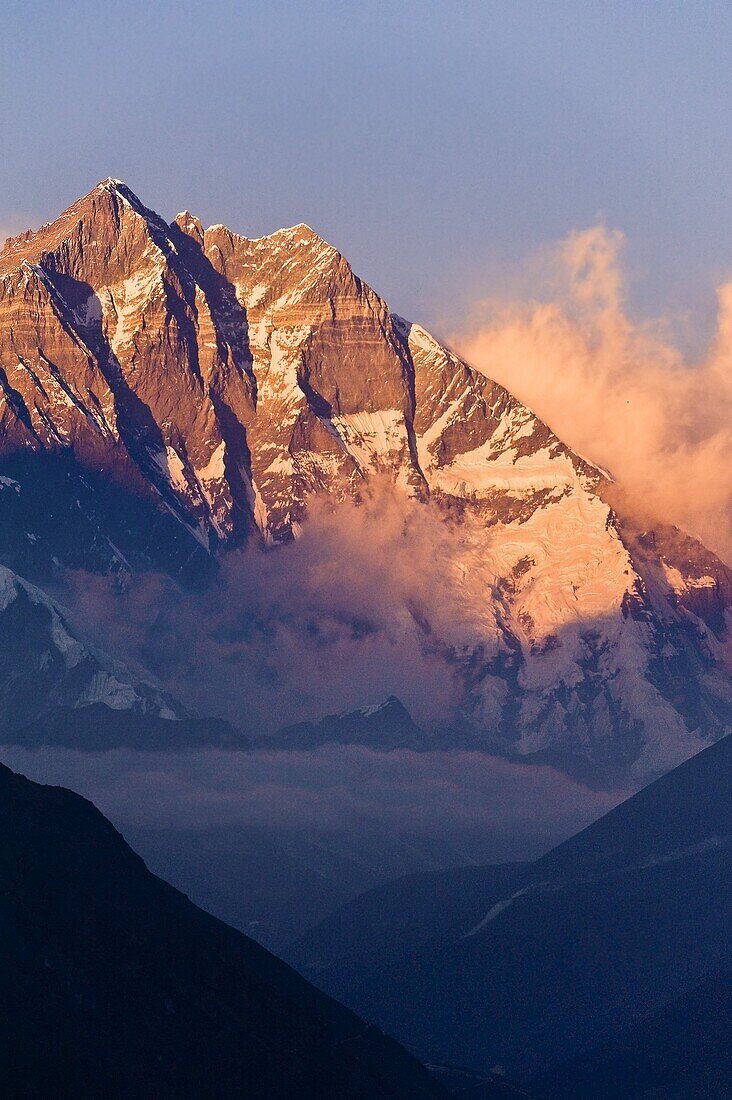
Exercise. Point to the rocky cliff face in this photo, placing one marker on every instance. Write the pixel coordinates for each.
(215, 383)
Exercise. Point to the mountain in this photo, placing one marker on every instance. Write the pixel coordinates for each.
(168, 392)
(598, 970)
(384, 727)
(680, 1052)
(113, 984)
(274, 881)
(97, 727)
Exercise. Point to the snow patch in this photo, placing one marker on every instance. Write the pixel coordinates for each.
(371, 437)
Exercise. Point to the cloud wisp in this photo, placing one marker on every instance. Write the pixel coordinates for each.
(338, 619)
(618, 391)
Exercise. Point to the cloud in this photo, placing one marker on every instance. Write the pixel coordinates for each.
(271, 842)
(338, 619)
(517, 810)
(617, 391)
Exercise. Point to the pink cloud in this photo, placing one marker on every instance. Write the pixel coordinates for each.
(617, 391)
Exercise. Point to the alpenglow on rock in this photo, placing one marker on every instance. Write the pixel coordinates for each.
(219, 382)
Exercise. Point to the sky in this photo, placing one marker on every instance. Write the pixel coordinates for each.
(439, 145)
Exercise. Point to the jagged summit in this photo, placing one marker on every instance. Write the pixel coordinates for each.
(220, 382)
(98, 213)
(115, 187)
(29, 244)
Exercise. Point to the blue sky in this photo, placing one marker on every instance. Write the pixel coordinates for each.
(436, 144)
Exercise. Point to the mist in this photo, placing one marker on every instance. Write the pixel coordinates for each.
(338, 619)
(333, 787)
(271, 842)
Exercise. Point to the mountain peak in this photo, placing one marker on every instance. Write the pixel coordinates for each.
(114, 184)
(90, 220)
(302, 229)
(121, 190)
(382, 727)
(190, 225)
(287, 236)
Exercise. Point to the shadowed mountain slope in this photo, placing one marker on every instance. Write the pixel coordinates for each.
(536, 966)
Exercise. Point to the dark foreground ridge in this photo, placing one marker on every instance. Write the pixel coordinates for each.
(114, 985)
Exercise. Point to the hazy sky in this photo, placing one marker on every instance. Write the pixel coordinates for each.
(436, 144)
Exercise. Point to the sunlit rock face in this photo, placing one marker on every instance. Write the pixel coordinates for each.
(216, 383)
